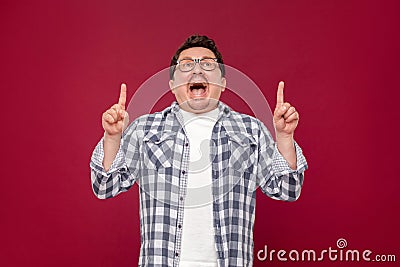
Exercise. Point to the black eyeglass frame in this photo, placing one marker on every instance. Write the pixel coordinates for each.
(197, 60)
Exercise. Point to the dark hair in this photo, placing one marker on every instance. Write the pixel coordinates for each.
(197, 41)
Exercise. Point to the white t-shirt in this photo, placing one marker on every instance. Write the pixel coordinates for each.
(198, 238)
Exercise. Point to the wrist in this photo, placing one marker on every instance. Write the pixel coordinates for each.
(286, 147)
(284, 137)
(112, 138)
(285, 143)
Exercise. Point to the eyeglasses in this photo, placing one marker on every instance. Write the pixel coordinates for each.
(207, 64)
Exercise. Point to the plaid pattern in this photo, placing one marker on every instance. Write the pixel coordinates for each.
(154, 153)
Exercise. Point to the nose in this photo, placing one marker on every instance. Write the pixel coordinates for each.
(197, 69)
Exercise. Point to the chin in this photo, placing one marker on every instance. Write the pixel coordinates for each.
(201, 105)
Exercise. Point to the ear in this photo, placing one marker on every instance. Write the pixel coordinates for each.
(171, 86)
(223, 84)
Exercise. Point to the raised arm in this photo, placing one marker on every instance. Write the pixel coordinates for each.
(114, 121)
(111, 172)
(286, 119)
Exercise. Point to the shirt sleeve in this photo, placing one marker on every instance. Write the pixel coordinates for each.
(123, 171)
(276, 179)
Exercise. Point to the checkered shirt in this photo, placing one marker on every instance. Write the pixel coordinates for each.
(154, 152)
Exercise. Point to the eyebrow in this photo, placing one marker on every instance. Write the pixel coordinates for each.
(193, 58)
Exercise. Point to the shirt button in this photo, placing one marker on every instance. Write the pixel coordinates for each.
(186, 144)
(179, 226)
(181, 198)
(183, 172)
(177, 254)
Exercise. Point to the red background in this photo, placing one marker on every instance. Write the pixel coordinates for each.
(61, 66)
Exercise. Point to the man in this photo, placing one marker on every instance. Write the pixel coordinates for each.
(198, 212)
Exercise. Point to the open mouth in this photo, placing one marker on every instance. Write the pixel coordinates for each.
(198, 89)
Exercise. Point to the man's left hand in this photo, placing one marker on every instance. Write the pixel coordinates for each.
(286, 117)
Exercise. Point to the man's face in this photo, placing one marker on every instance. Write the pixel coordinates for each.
(198, 90)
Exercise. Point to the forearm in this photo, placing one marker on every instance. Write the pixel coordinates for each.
(109, 183)
(280, 181)
(111, 146)
(287, 149)
(285, 187)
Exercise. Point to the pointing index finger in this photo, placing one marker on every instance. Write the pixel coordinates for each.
(122, 96)
(279, 93)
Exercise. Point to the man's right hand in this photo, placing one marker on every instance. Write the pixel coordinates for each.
(114, 121)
